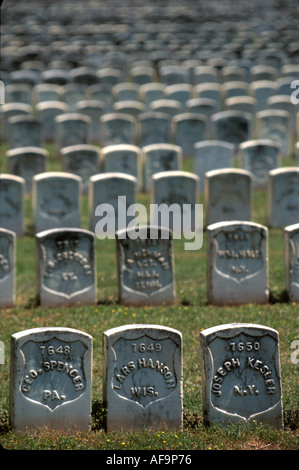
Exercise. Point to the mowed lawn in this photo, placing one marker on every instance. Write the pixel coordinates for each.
(190, 314)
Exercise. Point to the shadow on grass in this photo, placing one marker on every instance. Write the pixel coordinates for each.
(98, 416)
(278, 297)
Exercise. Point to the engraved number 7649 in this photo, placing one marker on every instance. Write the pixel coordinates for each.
(143, 347)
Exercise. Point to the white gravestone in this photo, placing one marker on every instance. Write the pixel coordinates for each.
(261, 90)
(142, 377)
(27, 162)
(228, 195)
(25, 131)
(283, 197)
(150, 92)
(176, 190)
(232, 126)
(154, 128)
(83, 160)
(291, 247)
(157, 158)
(274, 124)
(47, 112)
(51, 373)
(72, 129)
(7, 268)
(241, 375)
(211, 155)
(94, 110)
(237, 263)
(187, 130)
(211, 91)
(56, 201)
(145, 266)
(66, 267)
(122, 158)
(110, 196)
(12, 194)
(9, 110)
(118, 128)
(260, 156)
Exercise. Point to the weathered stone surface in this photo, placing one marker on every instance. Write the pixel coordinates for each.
(228, 195)
(66, 272)
(142, 376)
(237, 263)
(7, 268)
(56, 200)
(51, 372)
(283, 197)
(145, 266)
(12, 194)
(291, 250)
(241, 374)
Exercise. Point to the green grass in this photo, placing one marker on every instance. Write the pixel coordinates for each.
(190, 315)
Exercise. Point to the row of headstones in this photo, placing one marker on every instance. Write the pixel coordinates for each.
(205, 98)
(56, 196)
(259, 156)
(56, 123)
(192, 73)
(172, 38)
(51, 377)
(237, 265)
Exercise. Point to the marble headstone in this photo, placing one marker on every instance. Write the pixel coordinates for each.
(12, 194)
(260, 156)
(51, 374)
(27, 162)
(157, 158)
(56, 201)
(232, 126)
(241, 374)
(291, 249)
(145, 266)
(9, 110)
(142, 376)
(211, 155)
(82, 160)
(237, 264)
(7, 268)
(25, 131)
(228, 195)
(187, 130)
(66, 267)
(154, 128)
(72, 129)
(118, 128)
(273, 124)
(110, 196)
(176, 190)
(283, 197)
(122, 158)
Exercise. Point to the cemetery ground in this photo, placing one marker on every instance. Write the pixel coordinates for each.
(190, 314)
